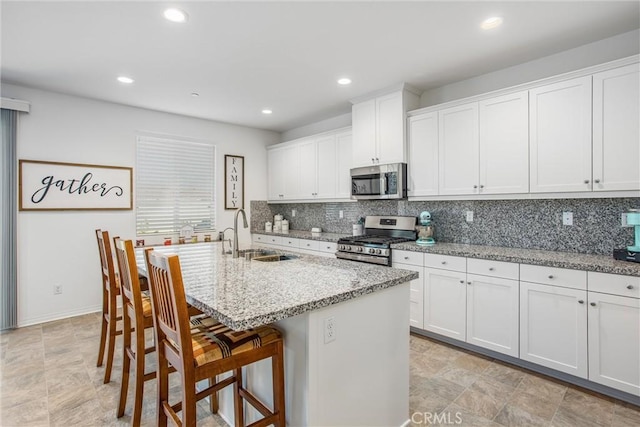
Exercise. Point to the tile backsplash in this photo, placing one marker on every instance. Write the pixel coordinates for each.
(532, 224)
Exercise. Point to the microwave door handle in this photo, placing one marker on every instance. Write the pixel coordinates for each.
(384, 189)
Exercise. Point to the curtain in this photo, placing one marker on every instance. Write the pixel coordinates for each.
(8, 222)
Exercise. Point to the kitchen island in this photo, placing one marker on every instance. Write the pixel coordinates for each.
(345, 326)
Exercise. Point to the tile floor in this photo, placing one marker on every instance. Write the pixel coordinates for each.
(48, 377)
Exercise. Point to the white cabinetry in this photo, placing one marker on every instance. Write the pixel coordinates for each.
(492, 305)
(379, 128)
(445, 296)
(614, 331)
(423, 155)
(553, 320)
(413, 261)
(458, 149)
(560, 136)
(311, 168)
(616, 129)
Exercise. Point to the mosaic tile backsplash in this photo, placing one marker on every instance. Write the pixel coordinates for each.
(530, 224)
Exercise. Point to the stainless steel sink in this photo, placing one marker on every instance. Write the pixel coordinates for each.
(274, 258)
(250, 254)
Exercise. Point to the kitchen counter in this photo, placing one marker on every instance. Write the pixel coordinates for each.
(302, 234)
(339, 319)
(587, 262)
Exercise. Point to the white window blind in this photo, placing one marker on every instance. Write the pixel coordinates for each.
(174, 186)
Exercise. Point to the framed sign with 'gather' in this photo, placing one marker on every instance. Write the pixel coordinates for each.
(55, 186)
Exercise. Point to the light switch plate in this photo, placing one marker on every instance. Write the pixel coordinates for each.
(469, 216)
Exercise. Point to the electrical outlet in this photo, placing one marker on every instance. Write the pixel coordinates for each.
(623, 220)
(341, 214)
(469, 216)
(293, 213)
(57, 289)
(567, 218)
(329, 330)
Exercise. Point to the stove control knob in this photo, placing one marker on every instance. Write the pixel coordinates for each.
(372, 251)
(378, 251)
(360, 249)
(348, 248)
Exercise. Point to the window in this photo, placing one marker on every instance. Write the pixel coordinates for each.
(174, 186)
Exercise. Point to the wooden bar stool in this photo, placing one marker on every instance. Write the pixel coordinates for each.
(137, 317)
(110, 290)
(205, 351)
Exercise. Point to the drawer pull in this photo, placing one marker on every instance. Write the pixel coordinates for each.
(462, 281)
(629, 286)
(593, 304)
(551, 276)
(469, 283)
(581, 301)
(406, 257)
(444, 262)
(491, 268)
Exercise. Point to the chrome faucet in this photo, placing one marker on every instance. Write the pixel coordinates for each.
(236, 252)
(222, 238)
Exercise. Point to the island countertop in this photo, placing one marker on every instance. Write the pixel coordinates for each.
(243, 294)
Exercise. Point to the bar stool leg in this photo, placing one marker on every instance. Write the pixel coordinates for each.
(238, 402)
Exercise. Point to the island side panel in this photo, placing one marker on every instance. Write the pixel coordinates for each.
(362, 377)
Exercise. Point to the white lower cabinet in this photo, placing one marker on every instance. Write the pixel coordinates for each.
(553, 327)
(492, 313)
(614, 331)
(416, 295)
(445, 295)
(306, 246)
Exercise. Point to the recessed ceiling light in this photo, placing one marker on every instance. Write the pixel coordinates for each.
(266, 111)
(175, 15)
(490, 23)
(344, 81)
(125, 79)
(195, 94)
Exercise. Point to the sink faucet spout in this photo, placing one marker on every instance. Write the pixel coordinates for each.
(236, 252)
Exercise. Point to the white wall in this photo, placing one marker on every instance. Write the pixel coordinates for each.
(60, 247)
(595, 53)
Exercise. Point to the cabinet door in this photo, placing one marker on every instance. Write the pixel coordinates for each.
(616, 129)
(553, 327)
(390, 141)
(291, 172)
(276, 165)
(307, 176)
(445, 297)
(560, 136)
(423, 155)
(327, 168)
(344, 154)
(614, 341)
(363, 116)
(504, 144)
(416, 296)
(492, 313)
(458, 149)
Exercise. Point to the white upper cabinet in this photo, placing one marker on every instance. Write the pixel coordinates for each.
(379, 128)
(504, 144)
(313, 168)
(344, 152)
(616, 129)
(423, 155)
(560, 136)
(458, 149)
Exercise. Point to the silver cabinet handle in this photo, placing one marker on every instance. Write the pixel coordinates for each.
(475, 186)
(373, 160)
(593, 304)
(461, 281)
(586, 181)
(444, 262)
(469, 283)
(629, 286)
(597, 181)
(377, 160)
(580, 301)
(406, 257)
(550, 276)
(481, 186)
(491, 268)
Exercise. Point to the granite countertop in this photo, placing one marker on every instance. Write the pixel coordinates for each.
(244, 294)
(302, 234)
(600, 263)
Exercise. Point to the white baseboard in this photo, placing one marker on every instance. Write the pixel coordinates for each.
(58, 316)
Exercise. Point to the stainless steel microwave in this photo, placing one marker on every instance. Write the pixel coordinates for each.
(379, 182)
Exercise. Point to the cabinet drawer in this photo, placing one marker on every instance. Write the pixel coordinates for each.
(260, 238)
(564, 277)
(273, 240)
(445, 262)
(507, 270)
(615, 284)
(311, 245)
(407, 257)
(328, 247)
(290, 242)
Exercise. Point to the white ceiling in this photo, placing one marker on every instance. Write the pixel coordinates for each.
(242, 57)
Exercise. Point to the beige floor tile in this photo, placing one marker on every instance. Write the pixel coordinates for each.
(511, 415)
(542, 387)
(460, 416)
(534, 404)
(442, 387)
(21, 389)
(83, 414)
(471, 363)
(458, 375)
(66, 399)
(587, 405)
(503, 373)
(626, 413)
(565, 417)
(31, 413)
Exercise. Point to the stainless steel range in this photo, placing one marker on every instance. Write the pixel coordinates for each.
(375, 245)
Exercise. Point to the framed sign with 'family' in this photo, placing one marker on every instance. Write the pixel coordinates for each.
(234, 182)
(55, 186)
